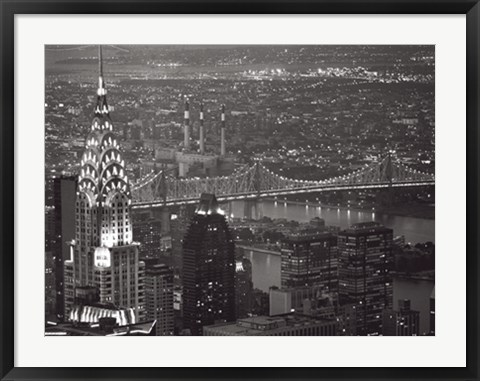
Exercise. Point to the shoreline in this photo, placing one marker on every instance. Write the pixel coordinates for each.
(421, 211)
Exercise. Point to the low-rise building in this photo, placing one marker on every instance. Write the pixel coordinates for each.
(401, 322)
(282, 325)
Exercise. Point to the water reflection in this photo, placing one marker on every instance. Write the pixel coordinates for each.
(414, 229)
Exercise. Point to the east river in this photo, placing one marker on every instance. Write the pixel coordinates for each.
(266, 267)
(414, 229)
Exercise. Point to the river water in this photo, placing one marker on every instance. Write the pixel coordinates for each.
(414, 229)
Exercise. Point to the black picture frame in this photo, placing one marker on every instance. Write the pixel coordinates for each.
(10, 8)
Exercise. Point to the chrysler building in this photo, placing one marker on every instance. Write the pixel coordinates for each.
(103, 255)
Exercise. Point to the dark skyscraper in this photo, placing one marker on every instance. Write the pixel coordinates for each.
(310, 261)
(364, 263)
(64, 188)
(208, 268)
(243, 288)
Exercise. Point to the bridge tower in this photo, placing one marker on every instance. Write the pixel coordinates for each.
(386, 174)
(389, 169)
(164, 211)
(253, 208)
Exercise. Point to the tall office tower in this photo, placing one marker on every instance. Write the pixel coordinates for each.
(310, 261)
(243, 288)
(364, 264)
(208, 268)
(159, 298)
(179, 225)
(64, 194)
(147, 231)
(401, 322)
(103, 253)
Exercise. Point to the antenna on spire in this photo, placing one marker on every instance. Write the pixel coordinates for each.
(100, 61)
(101, 84)
(101, 107)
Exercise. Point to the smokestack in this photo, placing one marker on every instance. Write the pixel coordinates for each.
(222, 133)
(202, 136)
(186, 141)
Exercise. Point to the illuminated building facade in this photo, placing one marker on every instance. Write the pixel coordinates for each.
(106, 326)
(243, 288)
(93, 314)
(208, 268)
(148, 232)
(159, 298)
(310, 261)
(103, 254)
(364, 264)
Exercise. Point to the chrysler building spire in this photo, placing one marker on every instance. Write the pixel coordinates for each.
(100, 69)
(102, 106)
(103, 183)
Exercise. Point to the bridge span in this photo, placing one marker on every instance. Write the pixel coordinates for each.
(257, 181)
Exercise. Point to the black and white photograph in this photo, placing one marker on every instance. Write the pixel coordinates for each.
(240, 190)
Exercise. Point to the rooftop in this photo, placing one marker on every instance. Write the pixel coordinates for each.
(67, 329)
(308, 237)
(257, 325)
(208, 205)
(365, 227)
(159, 269)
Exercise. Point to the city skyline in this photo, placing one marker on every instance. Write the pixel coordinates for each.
(219, 191)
